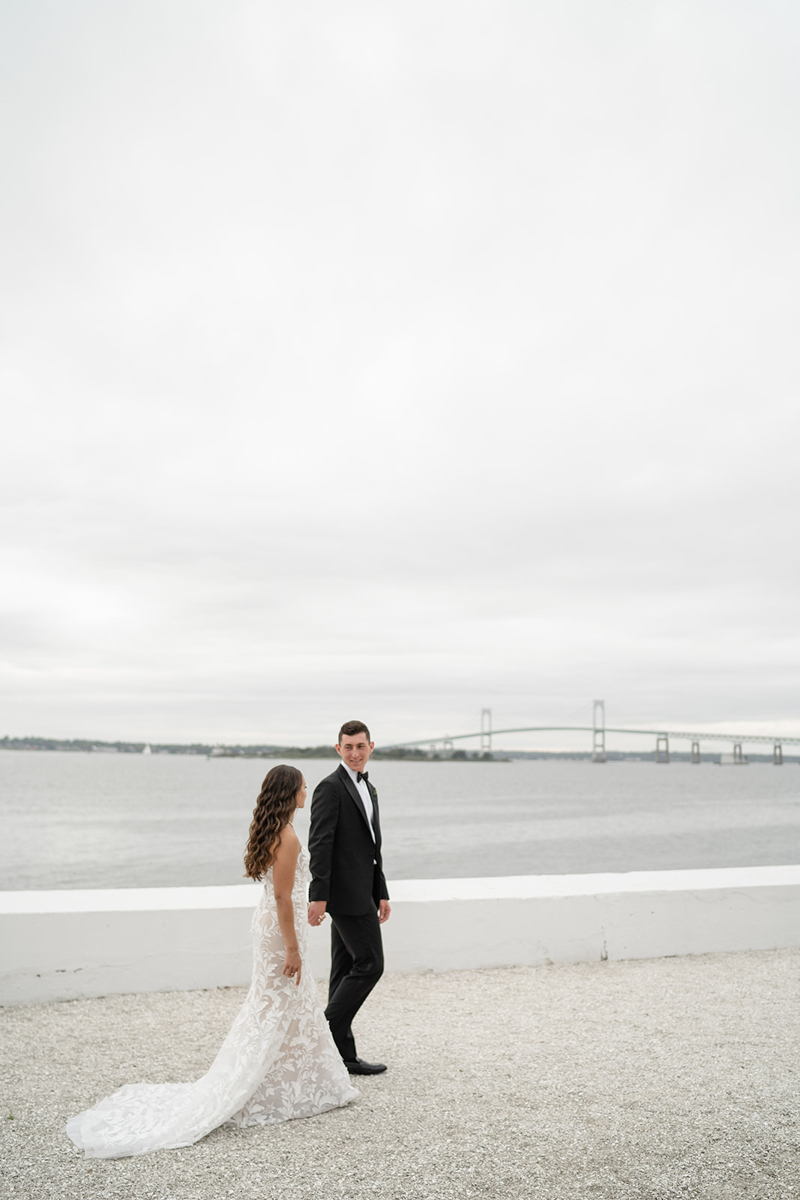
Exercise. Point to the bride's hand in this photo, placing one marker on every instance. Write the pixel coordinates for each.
(293, 965)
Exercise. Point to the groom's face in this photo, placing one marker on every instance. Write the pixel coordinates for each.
(355, 750)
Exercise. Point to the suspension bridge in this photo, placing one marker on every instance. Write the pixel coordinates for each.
(598, 730)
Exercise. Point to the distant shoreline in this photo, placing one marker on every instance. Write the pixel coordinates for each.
(398, 754)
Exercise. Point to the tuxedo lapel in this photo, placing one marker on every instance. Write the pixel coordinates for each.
(353, 791)
(376, 819)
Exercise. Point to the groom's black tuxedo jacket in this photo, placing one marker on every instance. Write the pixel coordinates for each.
(346, 865)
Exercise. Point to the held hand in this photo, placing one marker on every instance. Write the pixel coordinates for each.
(292, 965)
(316, 912)
(384, 911)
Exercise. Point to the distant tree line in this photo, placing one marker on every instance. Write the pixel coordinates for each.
(82, 745)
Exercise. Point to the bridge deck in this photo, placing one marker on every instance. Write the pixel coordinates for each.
(677, 734)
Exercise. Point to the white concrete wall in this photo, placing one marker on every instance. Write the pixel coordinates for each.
(65, 945)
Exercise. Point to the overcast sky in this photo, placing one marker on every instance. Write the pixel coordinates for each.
(396, 360)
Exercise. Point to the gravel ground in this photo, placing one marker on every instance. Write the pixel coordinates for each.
(638, 1080)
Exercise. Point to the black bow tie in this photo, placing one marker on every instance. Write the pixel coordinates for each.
(362, 775)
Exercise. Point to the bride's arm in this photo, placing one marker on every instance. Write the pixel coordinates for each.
(283, 870)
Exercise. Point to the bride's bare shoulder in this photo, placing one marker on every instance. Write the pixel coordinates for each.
(289, 842)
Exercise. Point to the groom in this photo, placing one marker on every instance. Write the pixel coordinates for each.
(347, 881)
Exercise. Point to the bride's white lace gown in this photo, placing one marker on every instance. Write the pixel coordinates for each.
(277, 1062)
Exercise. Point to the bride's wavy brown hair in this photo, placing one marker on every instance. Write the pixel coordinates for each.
(276, 802)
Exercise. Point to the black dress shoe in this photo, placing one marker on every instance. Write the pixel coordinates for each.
(359, 1067)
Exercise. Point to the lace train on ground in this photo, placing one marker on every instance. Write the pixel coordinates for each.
(277, 1062)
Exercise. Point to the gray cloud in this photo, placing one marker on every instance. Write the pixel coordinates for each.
(398, 362)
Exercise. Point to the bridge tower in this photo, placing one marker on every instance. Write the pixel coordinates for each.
(662, 748)
(599, 737)
(777, 754)
(486, 731)
(695, 752)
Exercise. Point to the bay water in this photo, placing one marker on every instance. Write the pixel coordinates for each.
(74, 820)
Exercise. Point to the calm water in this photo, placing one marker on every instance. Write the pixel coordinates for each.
(106, 820)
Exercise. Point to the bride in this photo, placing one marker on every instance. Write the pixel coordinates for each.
(279, 1060)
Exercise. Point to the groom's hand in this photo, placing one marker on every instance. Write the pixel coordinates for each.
(384, 911)
(316, 912)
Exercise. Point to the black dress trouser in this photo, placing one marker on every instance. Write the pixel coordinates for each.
(356, 966)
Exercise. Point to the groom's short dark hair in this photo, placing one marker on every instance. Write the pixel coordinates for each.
(351, 727)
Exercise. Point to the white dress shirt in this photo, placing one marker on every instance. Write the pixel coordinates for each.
(363, 791)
